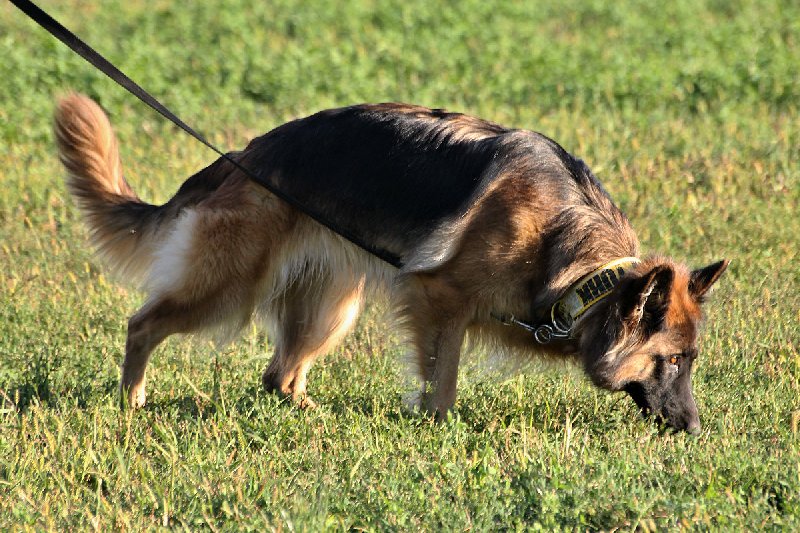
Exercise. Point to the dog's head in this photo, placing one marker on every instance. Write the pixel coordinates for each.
(643, 339)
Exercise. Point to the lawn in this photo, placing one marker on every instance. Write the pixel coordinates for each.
(688, 111)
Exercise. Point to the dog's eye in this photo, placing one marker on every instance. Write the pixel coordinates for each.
(674, 363)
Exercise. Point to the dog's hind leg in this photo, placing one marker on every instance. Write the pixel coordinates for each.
(206, 276)
(172, 313)
(310, 318)
(146, 329)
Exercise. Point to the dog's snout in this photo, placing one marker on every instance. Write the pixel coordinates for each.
(691, 419)
(686, 419)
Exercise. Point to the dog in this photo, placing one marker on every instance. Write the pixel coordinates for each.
(498, 234)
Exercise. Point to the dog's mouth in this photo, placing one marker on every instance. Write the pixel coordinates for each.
(637, 392)
(639, 395)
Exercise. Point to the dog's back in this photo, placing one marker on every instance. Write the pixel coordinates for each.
(394, 174)
(387, 173)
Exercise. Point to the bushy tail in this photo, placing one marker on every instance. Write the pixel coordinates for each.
(123, 228)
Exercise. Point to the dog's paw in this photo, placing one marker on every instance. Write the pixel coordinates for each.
(412, 401)
(304, 401)
(132, 398)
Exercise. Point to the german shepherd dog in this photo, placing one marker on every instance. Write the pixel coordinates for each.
(499, 235)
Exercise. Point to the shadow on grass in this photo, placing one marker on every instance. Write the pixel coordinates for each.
(482, 413)
(477, 414)
(250, 403)
(19, 397)
(390, 407)
(187, 407)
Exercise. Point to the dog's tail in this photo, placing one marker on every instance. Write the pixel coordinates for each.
(123, 228)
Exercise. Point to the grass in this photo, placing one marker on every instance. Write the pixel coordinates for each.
(687, 111)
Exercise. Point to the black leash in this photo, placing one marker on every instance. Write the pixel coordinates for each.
(106, 67)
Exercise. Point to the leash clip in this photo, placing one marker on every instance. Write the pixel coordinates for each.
(542, 334)
(546, 333)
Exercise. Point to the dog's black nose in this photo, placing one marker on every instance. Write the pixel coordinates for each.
(693, 427)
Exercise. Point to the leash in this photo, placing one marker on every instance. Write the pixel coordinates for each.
(106, 67)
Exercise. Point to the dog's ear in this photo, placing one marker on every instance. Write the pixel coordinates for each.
(644, 301)
(703, 278)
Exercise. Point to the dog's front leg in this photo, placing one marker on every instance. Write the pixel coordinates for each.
(437, 314)
(439, 355)
(440, 392)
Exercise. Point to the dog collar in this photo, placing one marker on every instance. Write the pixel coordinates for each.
(589, 290)
(579, 298)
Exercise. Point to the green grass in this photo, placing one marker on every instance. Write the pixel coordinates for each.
(687, 111)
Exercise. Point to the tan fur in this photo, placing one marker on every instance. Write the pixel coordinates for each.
(683, 308)
(88, 150)
(635, 367)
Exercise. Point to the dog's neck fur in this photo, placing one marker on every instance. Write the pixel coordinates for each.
(590, 233)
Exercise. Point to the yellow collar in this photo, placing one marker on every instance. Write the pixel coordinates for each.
(589, 290)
